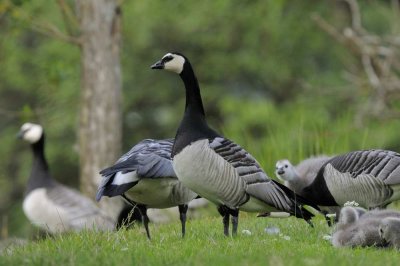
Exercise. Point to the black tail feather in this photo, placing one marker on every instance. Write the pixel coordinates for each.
(298, 210)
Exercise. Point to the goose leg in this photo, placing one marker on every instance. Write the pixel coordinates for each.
(182, 216)
(235, 220)
(223, 210)
(327, 219)
(145, 219)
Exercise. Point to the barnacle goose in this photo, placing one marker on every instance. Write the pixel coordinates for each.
(389, 231)
(144, 176)
(217, 168)
(298, 177)
(369, 177)
(51, 205)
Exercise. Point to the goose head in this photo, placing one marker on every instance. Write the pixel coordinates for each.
(348, 215)
(174, 62)
(389, 228)
(284, 170)
(30, 132)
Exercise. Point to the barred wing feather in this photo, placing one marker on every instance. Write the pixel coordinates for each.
(381, 164)
(80, 212)
(148, 159)
(258, 185)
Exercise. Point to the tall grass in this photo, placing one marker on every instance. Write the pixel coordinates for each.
(296, 131)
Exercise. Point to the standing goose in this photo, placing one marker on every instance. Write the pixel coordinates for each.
(217, 168)
(144, 176)
(51, 205)
(370, 177)
(300, 176)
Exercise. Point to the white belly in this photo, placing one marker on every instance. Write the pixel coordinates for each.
(160, 193)
(202, 170)
(43, 213)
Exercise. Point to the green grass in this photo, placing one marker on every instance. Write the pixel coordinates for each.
(269, 135)
(203, 245)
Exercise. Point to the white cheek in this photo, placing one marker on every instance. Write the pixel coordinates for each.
(33, 135)
(175, 65)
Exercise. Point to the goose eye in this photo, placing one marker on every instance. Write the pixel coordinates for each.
(168, 58)
(286, 166)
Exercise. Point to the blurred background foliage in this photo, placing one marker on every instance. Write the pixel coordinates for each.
(271, 80)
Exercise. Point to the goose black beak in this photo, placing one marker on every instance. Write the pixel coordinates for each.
(20, 134)
(158, 65)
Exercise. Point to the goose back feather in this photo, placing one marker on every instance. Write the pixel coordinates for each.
(369, 177)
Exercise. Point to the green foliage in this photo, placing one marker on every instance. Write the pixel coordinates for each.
(204, 244)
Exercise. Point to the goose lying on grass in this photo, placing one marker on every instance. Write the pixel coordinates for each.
(354, 230)
(370, 177)
(217, 168)
(144, 176)
(51, 205)
(359, 227)
(300, 176)
(389, 231)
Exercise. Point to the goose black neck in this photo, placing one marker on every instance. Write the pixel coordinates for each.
(318, 192)
(193, 125)
(39, 176)
(194, 104)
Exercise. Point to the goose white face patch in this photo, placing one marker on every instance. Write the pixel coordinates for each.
(175, 64)
(32, 132)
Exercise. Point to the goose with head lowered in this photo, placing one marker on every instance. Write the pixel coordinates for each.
(217, 168)
(300, 176)
(369, 177)
(144, 176)
(50, 205)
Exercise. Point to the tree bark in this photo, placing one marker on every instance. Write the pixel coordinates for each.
(100, 126)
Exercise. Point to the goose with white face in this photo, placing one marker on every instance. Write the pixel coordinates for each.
(172, 62)
(30, 132)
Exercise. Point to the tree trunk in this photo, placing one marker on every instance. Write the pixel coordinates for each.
(100, 110)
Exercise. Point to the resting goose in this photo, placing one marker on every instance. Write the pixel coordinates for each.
(370, 177)
(51, 205)
(389, 231)
(217, 168)
(355, 228)
(298, 177)
(359, 227)
(144, 176)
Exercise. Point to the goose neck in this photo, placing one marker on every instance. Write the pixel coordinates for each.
(39, 175)
(194, 104)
